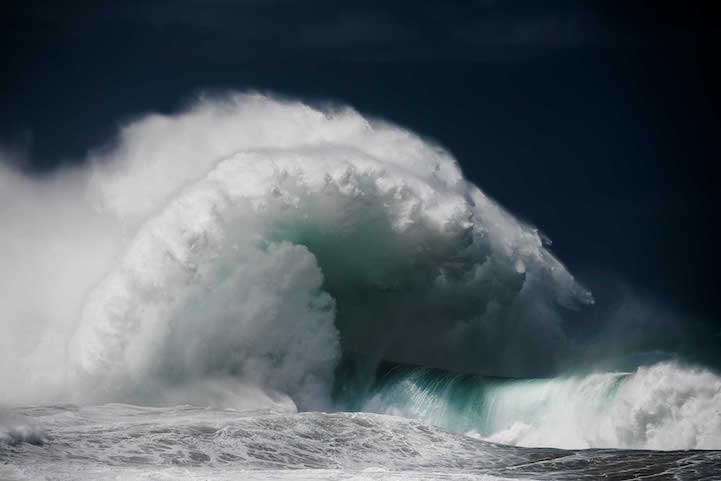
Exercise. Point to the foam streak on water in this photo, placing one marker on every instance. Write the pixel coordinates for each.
(104, 442)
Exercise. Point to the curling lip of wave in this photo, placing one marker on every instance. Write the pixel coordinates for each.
(263, 237)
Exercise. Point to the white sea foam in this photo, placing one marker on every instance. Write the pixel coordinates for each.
(120, 441)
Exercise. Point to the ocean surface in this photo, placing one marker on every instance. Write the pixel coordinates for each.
(118, 441)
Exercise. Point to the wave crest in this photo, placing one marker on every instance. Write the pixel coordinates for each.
(260, 238)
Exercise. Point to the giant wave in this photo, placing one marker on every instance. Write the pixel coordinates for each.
(249, 240)
(233, 254)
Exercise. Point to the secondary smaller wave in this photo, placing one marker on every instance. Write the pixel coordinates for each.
(16, 429)
(251, 243)
(664, 406)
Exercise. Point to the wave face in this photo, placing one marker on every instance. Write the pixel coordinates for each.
(249, 242)
(663, 406)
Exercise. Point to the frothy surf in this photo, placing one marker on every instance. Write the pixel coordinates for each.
(663, 406)
(128, 442)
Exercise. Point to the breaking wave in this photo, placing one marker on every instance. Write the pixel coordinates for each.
(233, 254)
(663, 406)
(16, 429)
(235, 250)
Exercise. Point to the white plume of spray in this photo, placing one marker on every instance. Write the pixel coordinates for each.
(53, 248)
(199, 250)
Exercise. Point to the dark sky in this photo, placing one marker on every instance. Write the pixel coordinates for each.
(597, 121)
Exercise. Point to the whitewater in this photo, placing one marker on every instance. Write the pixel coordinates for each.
(187, 302)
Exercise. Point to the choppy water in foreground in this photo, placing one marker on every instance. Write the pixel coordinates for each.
(117, 441)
